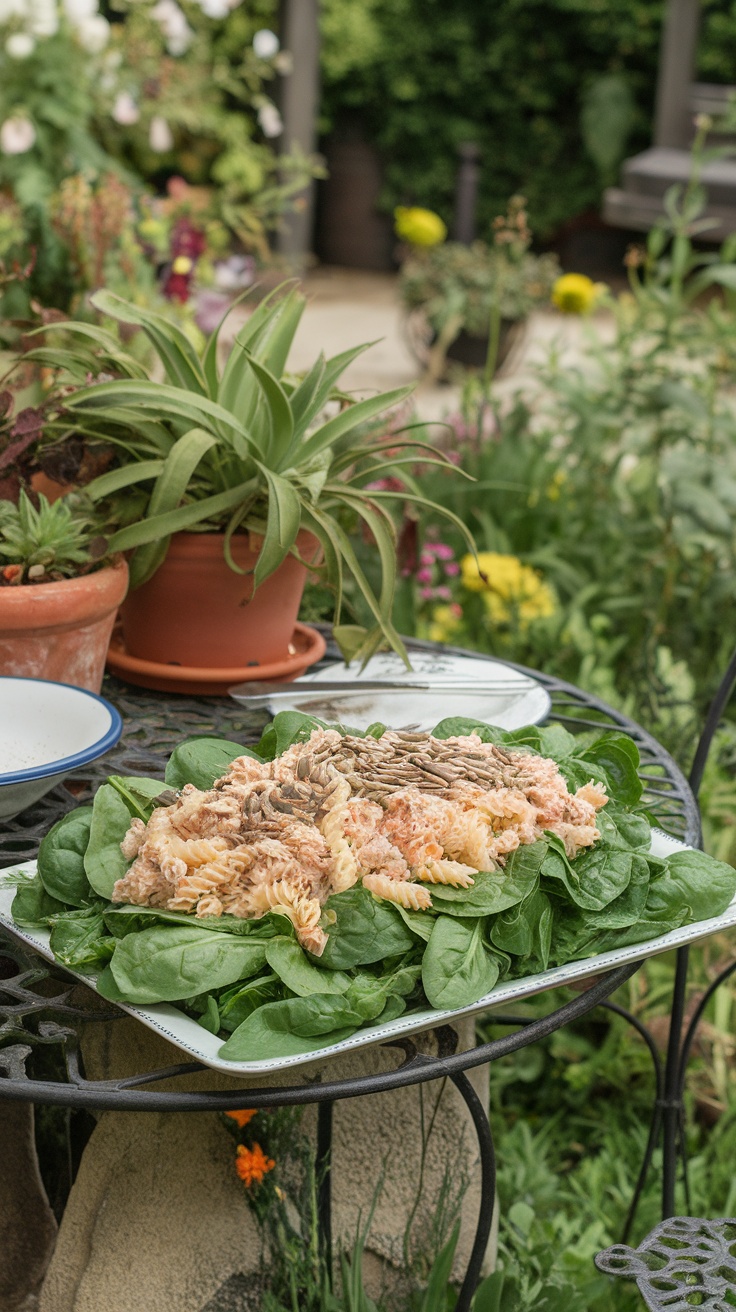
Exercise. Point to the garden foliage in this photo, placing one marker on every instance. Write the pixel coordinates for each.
(554, 91)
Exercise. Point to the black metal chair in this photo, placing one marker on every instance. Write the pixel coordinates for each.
(684, 1261)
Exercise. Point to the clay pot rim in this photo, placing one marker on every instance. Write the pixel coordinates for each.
(66, 601)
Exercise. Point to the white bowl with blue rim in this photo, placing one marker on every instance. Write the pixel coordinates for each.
(47, 730)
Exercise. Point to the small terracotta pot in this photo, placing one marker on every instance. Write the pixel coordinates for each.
(195, 610)
(61, 631)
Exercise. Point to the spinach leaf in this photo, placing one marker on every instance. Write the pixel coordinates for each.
(364, 930)
(618, 756)
(458, 726)
(106, 986)
(551, 740)
(122, 918)
(456, 969)
(526, 930)
(167, 963)
(421, 923)
(367, 993)
(694, 883)
(628, 907)
(32, 907)
(294, 968)
(237, 1004)
(138, 793)
(268, 1033)
(104, 863)
(494, 891)
(78, 938)
(593, 879)
(61, 858)
(286, 727)
(626, 829)
(200, 761)
(210, 1018)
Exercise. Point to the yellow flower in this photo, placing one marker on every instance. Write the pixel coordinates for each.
(575, 293)
(556, 484)
(182, 264)
(445, 623)
(419, 227)
(511, 590)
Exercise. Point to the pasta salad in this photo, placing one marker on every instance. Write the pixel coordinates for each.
(289, 894)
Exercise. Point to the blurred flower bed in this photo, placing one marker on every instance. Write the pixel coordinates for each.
(138, 152)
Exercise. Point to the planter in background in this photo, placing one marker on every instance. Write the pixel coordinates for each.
(61, 631)
(196, 611)
(465, 349)
(472, 351)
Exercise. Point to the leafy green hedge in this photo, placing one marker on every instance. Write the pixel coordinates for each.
(421, 76)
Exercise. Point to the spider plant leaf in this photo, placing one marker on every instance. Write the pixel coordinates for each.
(283, 522)
(209, 359)
(233, 393)
(276, 341)
(165, 400)
(416, 498)
(302, 398)
(278, 409)
(78, 363)
(381, 526)
(334, 367)
(173, 347)
(109, 344)
(343, 423)
(168, 490)
(322, 527)
(383, 620)
(195, 512)
(126, 476)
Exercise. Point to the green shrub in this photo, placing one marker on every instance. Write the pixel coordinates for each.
(548, 88)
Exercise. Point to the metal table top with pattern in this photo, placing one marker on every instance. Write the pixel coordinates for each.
(40, 1006)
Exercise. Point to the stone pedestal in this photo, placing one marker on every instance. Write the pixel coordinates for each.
(158, 1218)
(27, 1225)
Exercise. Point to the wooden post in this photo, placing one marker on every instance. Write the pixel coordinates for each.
(673, 118)
(299, 101)
(466, 193)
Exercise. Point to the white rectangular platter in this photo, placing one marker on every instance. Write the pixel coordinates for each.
(172, 1024)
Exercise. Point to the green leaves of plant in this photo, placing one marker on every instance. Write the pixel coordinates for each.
(456, 969)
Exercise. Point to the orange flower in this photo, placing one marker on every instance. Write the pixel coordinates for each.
(252, 1164)
(243, 1118)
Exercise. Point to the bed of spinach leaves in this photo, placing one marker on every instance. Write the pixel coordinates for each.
(250, 981)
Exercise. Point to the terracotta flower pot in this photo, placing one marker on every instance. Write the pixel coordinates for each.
(197, 611)
(61, 631)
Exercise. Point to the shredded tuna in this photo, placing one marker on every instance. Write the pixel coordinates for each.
(398, 813)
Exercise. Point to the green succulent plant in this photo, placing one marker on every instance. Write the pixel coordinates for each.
(243, 447)
(52, 542)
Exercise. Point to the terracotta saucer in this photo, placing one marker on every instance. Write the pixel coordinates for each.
(306, 647)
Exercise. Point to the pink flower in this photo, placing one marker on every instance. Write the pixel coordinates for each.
(456, 609)
(443, 552)
(443, 593)
(451, 569)
(426, 594)
(424, 575)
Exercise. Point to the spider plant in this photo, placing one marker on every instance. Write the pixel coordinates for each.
(245, 446)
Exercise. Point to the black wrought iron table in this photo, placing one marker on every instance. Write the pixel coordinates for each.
(153, 724)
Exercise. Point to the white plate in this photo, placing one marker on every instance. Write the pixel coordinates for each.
(185, 1033)
(423, 710)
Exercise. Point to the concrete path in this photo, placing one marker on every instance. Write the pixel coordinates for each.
(347, 306)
